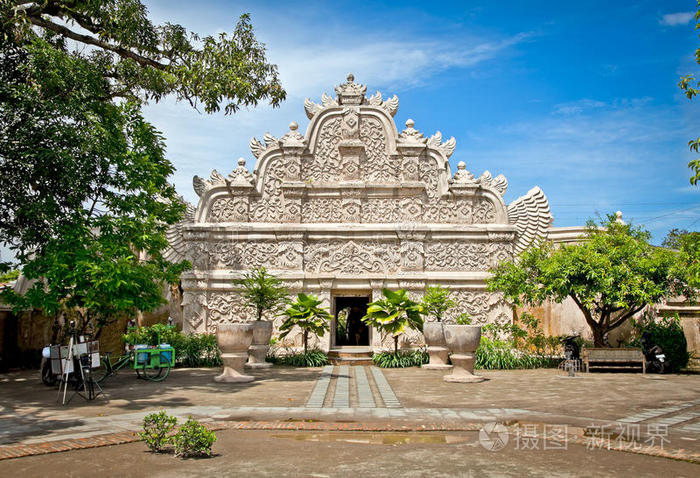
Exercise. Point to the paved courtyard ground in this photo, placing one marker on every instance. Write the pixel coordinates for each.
(335, 421)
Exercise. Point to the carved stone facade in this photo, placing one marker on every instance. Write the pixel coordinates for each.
(350, 207)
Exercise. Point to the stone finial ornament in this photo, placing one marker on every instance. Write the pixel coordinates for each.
(410, 134)
(241, 175)
(462, 176)
(293, 136)
(618, 218)
(351, 93)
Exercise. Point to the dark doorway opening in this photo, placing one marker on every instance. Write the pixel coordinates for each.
(349, 328)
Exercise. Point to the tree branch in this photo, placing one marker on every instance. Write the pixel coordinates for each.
(623, 318)
(123, 52)
(586, 313)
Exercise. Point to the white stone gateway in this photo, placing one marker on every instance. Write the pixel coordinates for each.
(351, 207)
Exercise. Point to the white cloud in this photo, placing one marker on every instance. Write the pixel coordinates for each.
(674, 19)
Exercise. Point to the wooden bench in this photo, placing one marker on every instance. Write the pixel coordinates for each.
(606, 358)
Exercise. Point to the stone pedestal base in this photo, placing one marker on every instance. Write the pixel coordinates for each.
(462, 371)
(256, 356)
(438, 358)
(233, 364)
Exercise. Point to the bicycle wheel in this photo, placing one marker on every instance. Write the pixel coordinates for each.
(157, 374)
(107, 369)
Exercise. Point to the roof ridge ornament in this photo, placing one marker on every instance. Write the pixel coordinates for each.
(240, 175)
(351, 93)
(412, 135)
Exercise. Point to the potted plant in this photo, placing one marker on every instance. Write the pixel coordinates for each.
(462, 340)
(306, 313)
(436, 301)
(393, 314)
(263, 292)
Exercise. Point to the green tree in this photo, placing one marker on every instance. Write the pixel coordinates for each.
(262, 291)
(436, 301)
(690, 84)
(394, 313)
(611, 275)
(307, 314)
(673, 238)
(84, 193)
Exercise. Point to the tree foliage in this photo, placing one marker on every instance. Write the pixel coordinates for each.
(144, 61)
(262, 291)
(611, 275)
(307, 314)
(436, 301)
(84, 194)
(394, 313)
(690, 84)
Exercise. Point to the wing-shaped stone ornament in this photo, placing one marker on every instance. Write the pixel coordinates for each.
(177, 248)
(531, 217)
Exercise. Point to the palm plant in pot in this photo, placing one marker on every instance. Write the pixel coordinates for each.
(262, 292)
(436, 301)
(307, 314)
(393, 314)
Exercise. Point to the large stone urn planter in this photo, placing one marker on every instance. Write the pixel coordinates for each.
(462, 340)
(262, 331)
(234, 340)
(434, 334)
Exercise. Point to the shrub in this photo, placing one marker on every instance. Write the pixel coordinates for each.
(494, 354)
(156, 430)
(401, 359)
(312, 358)
(668, 334)
(193, 439)
(463, 319)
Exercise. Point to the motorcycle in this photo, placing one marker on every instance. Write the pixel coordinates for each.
(653, 355)
(571, 348)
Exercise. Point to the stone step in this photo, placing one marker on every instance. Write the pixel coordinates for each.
(338, 354)
(350, 360)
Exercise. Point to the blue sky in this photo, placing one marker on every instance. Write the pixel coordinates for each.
(579, 98)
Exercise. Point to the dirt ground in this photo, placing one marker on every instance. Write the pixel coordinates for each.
(261, 453)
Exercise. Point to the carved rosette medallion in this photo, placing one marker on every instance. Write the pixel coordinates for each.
(351, 210)
(411, 255)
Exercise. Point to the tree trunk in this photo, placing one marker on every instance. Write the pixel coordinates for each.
(306, 342)
(598, 335)
(396, 344)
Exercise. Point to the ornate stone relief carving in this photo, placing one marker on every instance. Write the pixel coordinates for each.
(484, 211)
(483, 307)
(380, 210)
(268, 208)
(229, 210)
(457, 256)
(325, 164)
(376, 165)
(321, 210)
(351, 257)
